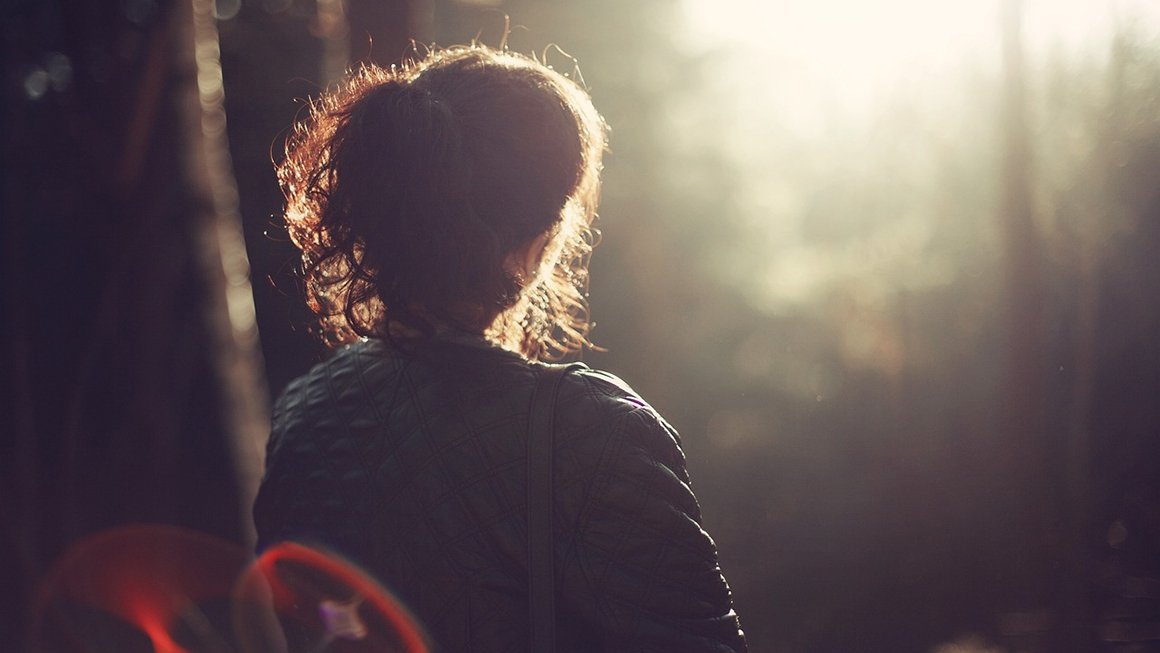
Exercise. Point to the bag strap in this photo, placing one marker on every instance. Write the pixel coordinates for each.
(541, 543)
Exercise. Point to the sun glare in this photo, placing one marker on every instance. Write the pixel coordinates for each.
(839, 114)
(854, 51)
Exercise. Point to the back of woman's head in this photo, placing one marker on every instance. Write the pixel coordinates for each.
(412, 193)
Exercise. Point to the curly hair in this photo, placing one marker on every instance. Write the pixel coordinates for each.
(409, 189)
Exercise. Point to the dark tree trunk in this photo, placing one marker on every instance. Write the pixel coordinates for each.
(1022, 448)
(116, 345)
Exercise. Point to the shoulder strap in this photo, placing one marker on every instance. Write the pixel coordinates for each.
(541, 545)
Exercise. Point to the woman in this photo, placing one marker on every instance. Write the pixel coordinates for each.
(443, 213)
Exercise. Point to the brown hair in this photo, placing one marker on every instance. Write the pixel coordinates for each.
(408, 190)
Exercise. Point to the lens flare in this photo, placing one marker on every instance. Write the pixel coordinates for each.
(164, 589)
(302, 598)
(157, 579)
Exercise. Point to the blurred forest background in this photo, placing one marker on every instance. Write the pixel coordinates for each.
(891, 269)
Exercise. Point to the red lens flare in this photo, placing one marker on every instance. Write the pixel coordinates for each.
(165, 589)
(150, 577)
(322, 603)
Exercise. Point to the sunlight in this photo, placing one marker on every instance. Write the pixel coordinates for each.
(839, 117)
(845, 50)
(855, 52)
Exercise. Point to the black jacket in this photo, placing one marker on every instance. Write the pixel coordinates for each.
(413, 465)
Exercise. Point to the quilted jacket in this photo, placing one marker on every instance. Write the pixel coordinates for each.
(413, 465)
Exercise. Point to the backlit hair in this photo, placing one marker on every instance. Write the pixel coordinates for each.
(408, 189)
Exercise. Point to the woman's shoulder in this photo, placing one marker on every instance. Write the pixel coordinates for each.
(616, 446)
(598, 404)
(370, 369)
(602, 390)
